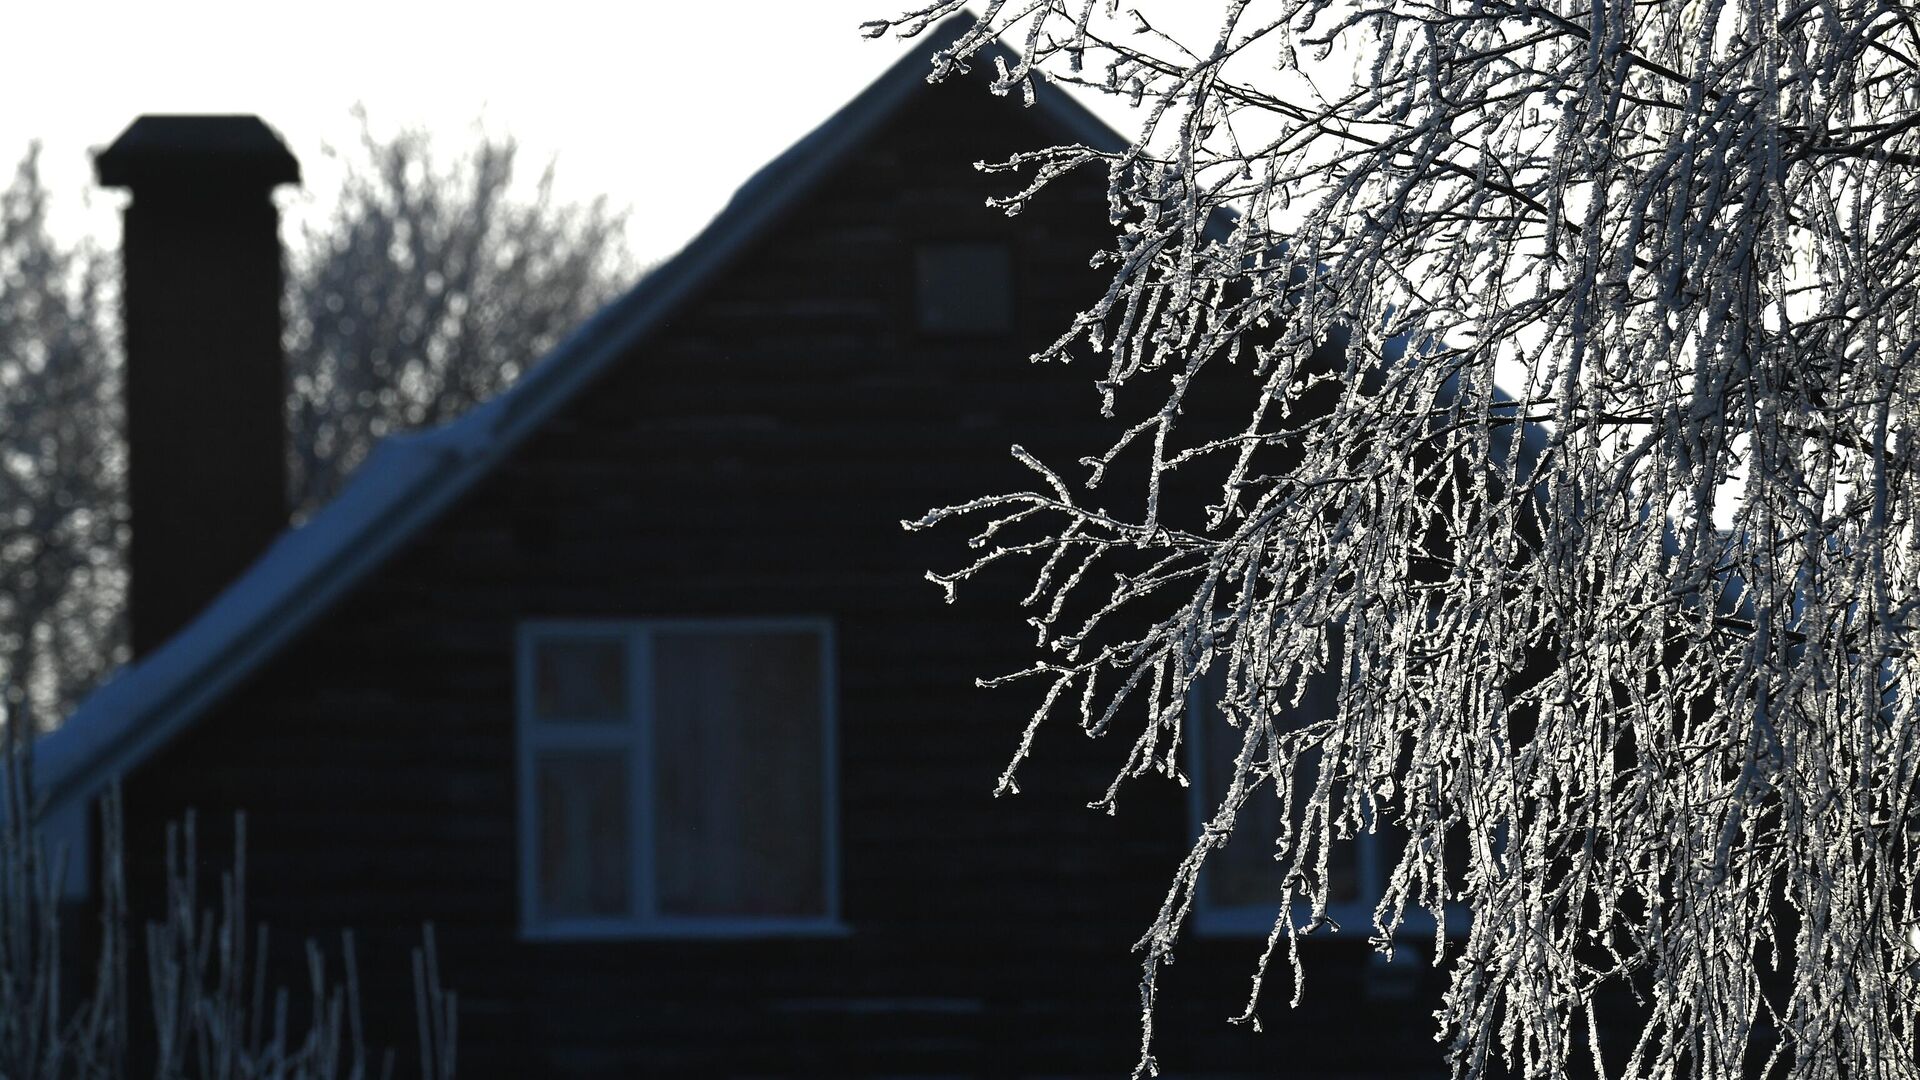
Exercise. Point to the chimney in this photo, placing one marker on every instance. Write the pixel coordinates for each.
(205, 379)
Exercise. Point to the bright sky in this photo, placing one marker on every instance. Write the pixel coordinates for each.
(665, 105)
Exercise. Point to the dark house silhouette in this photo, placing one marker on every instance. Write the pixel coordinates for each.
(629, 680)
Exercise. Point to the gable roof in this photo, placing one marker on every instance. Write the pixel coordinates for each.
(410, 479)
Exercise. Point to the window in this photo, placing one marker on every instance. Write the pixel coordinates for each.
(963, 290)
(677, 778)
(1241, 884)
(1240, 887)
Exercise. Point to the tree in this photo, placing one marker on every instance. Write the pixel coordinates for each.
(62, 464)
(431, 287)
(1644, 663)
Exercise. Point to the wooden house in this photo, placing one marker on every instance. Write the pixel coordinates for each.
(629, 680)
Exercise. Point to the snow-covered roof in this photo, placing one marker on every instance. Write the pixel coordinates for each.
(410, 479)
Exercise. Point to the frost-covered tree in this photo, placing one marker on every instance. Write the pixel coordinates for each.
(1632, 687)
(432, 286)
(62, 462)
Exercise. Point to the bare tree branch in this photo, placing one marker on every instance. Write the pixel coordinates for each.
(1624, 632)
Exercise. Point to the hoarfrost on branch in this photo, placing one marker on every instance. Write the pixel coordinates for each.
(1625, 639)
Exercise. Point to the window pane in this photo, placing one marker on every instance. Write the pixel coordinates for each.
(1244, 873)
(964, 289)
(582, 800)
(579, 679)
(737, 743)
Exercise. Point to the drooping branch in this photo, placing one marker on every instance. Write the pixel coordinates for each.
(1601, 512)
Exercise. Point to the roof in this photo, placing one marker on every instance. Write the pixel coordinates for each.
(410, 479)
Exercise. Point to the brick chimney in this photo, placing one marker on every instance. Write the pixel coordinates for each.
(205, 379)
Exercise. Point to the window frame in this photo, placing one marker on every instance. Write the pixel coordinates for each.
(634, 739)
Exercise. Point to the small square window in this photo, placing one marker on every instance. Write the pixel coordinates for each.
(963, 289)
(698, 804)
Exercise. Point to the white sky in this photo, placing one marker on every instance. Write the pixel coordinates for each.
(664, 105)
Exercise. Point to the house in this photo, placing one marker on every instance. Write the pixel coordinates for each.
(629, 680)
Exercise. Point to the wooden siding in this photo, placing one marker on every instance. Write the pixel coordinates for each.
(755, 458)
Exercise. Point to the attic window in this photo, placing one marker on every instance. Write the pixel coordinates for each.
(676, 778)
(963, 289)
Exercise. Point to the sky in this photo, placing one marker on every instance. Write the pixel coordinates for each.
(664, 105)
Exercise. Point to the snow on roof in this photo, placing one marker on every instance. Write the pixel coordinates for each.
(410, 479)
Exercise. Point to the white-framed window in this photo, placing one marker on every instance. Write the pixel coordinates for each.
(677, 778)
(1240, 886)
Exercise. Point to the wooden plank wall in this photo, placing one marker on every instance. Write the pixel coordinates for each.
(755, 459)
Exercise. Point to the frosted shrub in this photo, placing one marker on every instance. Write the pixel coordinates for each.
(214, 1015)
